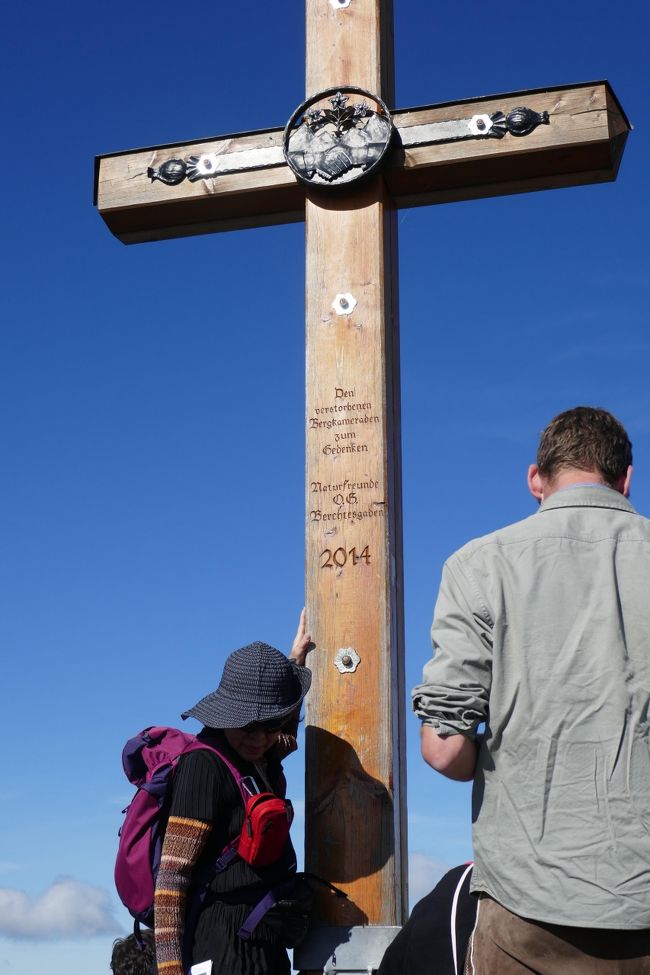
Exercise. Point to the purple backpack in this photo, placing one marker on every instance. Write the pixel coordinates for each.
(149, 761)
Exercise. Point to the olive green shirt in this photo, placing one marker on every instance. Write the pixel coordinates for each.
(542, 631)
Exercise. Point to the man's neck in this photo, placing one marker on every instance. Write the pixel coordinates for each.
(570, 478)
(542, 487)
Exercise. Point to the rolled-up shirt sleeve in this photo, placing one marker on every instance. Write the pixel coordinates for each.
(454, 693)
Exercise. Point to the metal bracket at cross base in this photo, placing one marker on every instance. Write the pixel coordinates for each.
(360, 953)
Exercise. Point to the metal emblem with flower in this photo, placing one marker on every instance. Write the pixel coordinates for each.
(340, 144)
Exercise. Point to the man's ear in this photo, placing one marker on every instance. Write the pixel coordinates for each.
(624, 482)
(535, 482)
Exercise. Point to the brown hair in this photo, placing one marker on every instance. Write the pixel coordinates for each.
(587, 439)
(131, 958)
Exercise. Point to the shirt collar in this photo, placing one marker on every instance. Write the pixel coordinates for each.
(587, 495)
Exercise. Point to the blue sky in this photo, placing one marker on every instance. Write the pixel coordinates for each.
(153, 401)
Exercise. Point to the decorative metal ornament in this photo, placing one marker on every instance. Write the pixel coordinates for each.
(520, 121)
(172, 172)
(338, 145)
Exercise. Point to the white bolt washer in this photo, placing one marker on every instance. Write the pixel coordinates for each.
(344, 304)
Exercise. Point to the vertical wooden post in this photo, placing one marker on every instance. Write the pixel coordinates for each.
(355, 824)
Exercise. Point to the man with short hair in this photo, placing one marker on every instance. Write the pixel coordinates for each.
(542, 632)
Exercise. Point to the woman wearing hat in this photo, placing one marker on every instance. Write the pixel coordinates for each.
(251, 718)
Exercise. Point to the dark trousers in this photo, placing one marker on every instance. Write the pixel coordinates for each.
(505, 944)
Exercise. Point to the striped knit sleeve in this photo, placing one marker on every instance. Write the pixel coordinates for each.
(182, 846)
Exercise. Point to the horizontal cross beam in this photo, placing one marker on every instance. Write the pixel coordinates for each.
(242, 180)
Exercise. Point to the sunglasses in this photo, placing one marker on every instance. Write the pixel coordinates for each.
(268, 727)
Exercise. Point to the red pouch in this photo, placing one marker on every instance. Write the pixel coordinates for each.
(267, 820)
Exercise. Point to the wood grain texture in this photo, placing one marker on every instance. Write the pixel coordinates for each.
(355, 824)
(350, 46)
(355, 833)
(582, 144)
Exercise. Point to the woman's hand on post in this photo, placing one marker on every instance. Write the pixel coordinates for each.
(301, 642)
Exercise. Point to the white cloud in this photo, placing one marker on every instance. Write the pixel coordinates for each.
(67, 909)
(424, 874)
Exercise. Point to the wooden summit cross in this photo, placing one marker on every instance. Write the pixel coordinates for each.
(355, 808)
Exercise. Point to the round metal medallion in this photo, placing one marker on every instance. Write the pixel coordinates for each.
(334, 138)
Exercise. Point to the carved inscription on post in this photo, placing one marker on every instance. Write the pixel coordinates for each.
(351, 493)
(341, 428)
